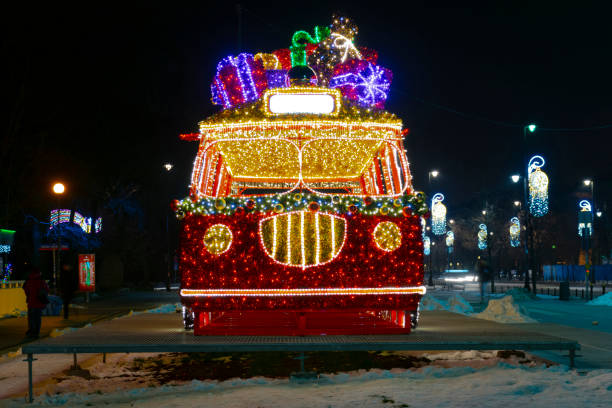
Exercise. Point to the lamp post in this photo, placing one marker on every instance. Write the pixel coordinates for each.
(590, 183)
(168, 167)
(585, 230)
(528, 223)
(432, 174)
(58, 189)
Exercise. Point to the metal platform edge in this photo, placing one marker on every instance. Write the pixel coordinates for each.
(301, 346)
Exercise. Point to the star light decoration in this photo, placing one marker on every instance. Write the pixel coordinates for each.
(538, 187)
(515, 232)
(482, 236)
(337, 48)
(438, 215)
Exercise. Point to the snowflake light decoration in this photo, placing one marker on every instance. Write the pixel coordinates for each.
(363, 82)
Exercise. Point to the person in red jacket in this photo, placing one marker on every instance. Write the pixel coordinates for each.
(36, 290)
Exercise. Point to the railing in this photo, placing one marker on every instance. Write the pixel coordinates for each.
(577, 289)
(11, 284)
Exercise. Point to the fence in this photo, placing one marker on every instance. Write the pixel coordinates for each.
(575, 273)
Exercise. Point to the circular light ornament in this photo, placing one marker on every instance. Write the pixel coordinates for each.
(218, 239)
(387, 236)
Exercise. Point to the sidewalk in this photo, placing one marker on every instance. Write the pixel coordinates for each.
(591, 326)
(12, 330)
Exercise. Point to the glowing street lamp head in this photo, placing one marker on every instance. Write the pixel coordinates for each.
(434, 173)
(484, 212)
(168, 166)
(517, 203)
(532, 128)
(587, 182)
(58, 188)
(515, 178)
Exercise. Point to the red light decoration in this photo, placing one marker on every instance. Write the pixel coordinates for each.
(245, 265)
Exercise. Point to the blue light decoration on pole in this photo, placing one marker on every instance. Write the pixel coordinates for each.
(515, 232)
(538, 187)
(450, 241)
(482, 236)
(438, 215)
(585, 219)
(426, 245)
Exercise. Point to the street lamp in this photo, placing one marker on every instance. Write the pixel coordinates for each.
(515, 178)
(517, 203)
(58, 189)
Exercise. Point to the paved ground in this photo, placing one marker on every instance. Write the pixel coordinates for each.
(12, 330)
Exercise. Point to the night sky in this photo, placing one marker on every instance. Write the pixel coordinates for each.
(103, 93)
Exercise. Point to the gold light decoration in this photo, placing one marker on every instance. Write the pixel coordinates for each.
(218, 239)
(387, 236)
(302, 238)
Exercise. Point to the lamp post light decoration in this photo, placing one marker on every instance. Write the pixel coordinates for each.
(585, 219)
(538, 187)
(482, 236)
(426, 246)
(438, 215)
(515, 232)
(450, 242)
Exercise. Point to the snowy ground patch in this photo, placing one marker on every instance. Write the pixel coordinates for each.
(505, 310)
(502, 384)
(603, 300)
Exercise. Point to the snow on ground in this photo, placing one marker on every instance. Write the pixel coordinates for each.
(505, 310)
(502, 384)
(167, 308)
(455, 304)
(603, 300)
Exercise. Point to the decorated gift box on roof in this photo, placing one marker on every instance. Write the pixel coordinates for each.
(329, 52)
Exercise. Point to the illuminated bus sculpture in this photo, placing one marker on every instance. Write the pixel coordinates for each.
(302, 218)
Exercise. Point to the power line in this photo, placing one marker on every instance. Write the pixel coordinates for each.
(500, 123)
